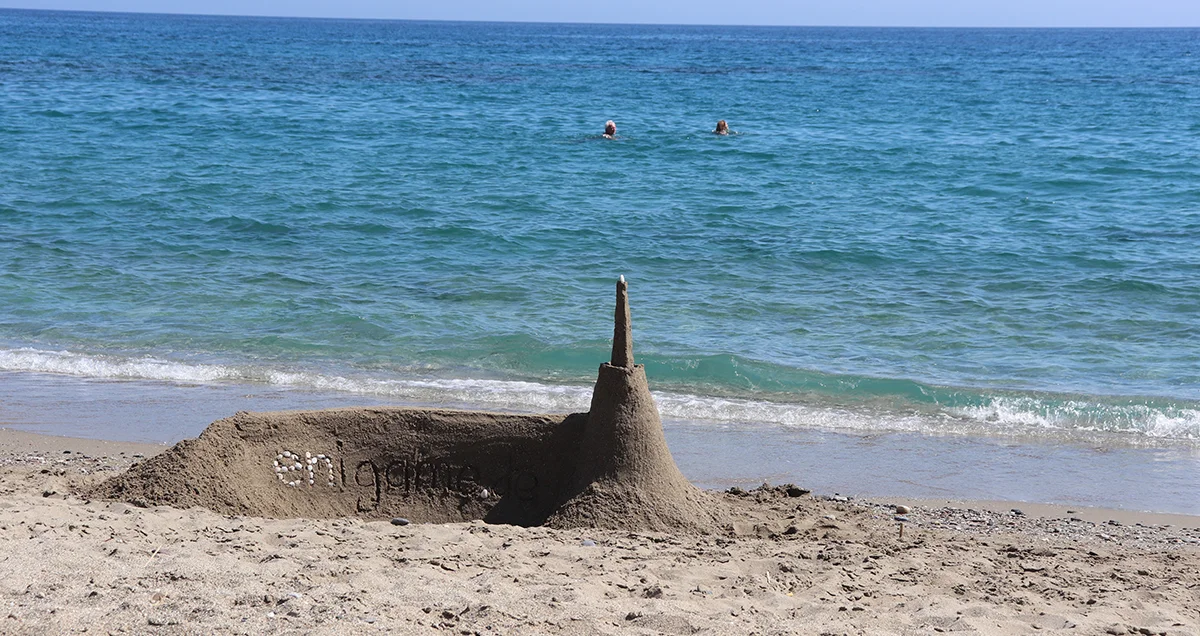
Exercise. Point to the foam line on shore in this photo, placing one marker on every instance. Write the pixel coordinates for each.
(984, 414)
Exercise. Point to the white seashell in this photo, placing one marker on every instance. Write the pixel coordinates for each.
(484, 493)
(310, 482)
(291, 483)
(279, 456)
(307, 454)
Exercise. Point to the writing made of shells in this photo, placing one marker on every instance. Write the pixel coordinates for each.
(296, 472)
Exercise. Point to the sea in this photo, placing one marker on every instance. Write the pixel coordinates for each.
(935, 263)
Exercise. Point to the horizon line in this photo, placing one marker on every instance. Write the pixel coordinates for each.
(581, 23)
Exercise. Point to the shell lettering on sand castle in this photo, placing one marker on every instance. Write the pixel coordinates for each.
(294, 471)
(609, 467)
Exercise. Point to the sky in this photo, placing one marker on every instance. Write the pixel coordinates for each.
(994, 13)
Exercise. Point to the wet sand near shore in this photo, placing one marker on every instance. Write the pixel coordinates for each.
(791, 563)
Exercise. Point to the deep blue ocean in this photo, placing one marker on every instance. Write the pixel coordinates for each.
(993, 233)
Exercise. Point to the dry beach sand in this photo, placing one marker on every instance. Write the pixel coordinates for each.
(786, 565)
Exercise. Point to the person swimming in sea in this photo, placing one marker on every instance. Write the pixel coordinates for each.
(722, 128)
(610, 129)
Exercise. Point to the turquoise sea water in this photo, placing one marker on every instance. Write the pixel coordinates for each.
(980, 232)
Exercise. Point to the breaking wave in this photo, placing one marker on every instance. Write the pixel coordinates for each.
(875, 407)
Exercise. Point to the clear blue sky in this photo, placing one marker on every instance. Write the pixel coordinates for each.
(1108, 13)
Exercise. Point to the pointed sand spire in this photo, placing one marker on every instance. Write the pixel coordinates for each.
(622, 352)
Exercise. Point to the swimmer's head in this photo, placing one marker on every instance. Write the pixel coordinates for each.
(610, 128)
(722, 128)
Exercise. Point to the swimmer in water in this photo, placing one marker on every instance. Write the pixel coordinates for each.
(722, 128)
(610, 129)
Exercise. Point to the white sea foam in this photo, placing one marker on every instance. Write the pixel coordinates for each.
(498, 394)
(1014, 414)
(717, 409)
(113, 367)
(999, 415)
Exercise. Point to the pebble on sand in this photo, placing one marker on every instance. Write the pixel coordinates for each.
(903, 510)
(796, 491)
(400, 521)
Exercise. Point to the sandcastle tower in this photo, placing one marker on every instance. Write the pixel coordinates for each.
(625, 476)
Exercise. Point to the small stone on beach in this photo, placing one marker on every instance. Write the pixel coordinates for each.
(400, 521)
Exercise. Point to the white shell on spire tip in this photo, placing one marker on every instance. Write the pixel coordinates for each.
(622, 278)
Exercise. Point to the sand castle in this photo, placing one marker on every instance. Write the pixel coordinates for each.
(609, 467)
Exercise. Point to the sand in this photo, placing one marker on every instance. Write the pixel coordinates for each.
(789, 564)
